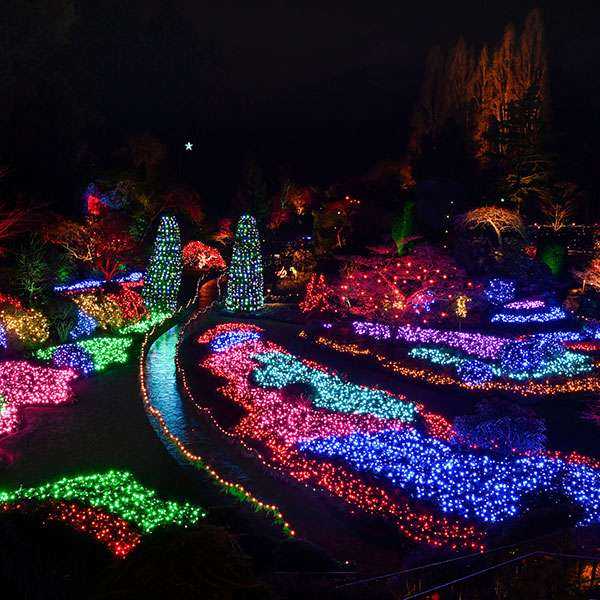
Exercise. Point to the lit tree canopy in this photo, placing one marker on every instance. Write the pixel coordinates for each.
(201, 257)
(245, 272)
(103, 243)
(500, 220)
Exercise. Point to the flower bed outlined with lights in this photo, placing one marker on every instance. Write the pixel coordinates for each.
(23, 384)
(482, 362)
(305, 442)
(112, 507)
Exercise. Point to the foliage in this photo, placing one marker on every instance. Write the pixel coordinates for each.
(500, 220)
(200, 257)
(403, 226)
(558, 208)
(103, 243)
(32, 271)
(333, 224)
(503, 427)
(423, 284)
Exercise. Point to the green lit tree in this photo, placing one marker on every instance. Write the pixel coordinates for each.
(163, 276)
(245, 274)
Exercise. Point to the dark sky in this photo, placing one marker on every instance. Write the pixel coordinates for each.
(271, 45)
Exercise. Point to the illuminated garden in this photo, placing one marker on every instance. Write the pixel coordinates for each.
(285, 323)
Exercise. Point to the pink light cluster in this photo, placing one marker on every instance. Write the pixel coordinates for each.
(26, 384)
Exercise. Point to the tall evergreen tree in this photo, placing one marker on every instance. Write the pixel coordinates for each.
(163, 276)
(245, 272)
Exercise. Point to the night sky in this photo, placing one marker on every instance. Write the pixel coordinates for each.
(322, 90)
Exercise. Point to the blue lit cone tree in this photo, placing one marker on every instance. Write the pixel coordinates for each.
(245, 272)
(163, 276)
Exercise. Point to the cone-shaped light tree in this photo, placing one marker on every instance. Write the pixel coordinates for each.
(245, 273)
(163, 276)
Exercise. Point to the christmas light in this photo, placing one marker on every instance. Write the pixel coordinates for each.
(105, 311)
(277, 420)
(329, 391)
(499, 291)
(152, 320)
(474, 486)
(3, 338)
(114, 492)
(136, 278)
(163, 277)
(552, 313)
(103, 351)
(525, 304)
(25, 384)
(29, 327)
(235, 489)
(581, 384)
(84, 326)
(71, 356)
(245, 274)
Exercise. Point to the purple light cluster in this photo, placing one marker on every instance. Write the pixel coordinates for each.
(379, 331)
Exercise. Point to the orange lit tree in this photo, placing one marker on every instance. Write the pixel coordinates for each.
(500, 220)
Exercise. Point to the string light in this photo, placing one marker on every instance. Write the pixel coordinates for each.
(25, 384)
(163, 277)
(235, 489)
(84, 326)
(114, 492)
(474, 486)
(329, 391)
(583, 384)
(103, 309)
(30, 327)
(103, 351)
(499, 291)
(276, 420)
(245, 272)
(134, 278)
(71, 356)
(525, 304)
(552, 313)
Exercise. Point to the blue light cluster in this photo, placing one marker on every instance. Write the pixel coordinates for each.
(73, 357)
(474, 372)
(565, 364)
(84, 326)
(86, 284)
(3, 338)
(499, 291)
(528, 356)
(226, 340)
(550, 313)
(474, 486)
(330, 391)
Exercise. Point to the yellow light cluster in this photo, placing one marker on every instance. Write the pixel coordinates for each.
(103, 309)
(29, 326)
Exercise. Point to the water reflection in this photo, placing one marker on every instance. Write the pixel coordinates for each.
(161, 382)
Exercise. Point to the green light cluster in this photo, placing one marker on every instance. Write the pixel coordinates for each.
(163, 276)
(245, 272)
(330, 391)
(104, 351)
(567, 364)
(119, 493)
(155, 318)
